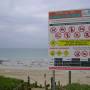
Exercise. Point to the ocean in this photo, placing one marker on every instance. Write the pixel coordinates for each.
(23, 57)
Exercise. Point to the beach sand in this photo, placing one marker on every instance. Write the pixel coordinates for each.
(82, 77)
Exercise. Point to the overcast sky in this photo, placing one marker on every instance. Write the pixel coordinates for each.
(24, 23)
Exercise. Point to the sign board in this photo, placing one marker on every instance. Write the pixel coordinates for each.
(69, 39)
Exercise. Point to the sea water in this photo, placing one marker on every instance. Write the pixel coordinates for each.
(24, 57)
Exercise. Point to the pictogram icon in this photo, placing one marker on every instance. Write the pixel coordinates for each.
(52, 53)
(67, 35)
(52, 43)
(72, 29)
(59, 53)
(66, 53)
(58, 35)
(81, 28)
(53, 29)
(84, 53)
(87, 34)
(77, 34)
(77, 53)
(62, 29)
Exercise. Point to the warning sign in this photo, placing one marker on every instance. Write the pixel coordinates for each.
(70, 42)
(77, 53)
(81, 28)
(77, 34)
(87, 34)
(58, 35)
(72, 29)
(84, 53)
(67, 35)
(62, 29)
(53, 29)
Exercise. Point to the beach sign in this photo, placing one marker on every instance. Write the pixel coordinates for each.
(69, 39)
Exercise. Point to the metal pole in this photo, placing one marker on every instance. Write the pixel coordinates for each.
(69, 77)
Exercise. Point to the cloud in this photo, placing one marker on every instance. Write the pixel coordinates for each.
(24, 23)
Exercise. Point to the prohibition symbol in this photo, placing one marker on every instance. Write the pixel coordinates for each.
(77, 34)
(84, 53)
(58, 35)
(77, 53)
(87, 34)
(72, 29)
(53, 29)
(81, 28)
(67, 35)
(62, 29)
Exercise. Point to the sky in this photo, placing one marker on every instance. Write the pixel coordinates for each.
(24, 23)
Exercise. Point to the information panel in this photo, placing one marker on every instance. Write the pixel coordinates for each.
(69, 39)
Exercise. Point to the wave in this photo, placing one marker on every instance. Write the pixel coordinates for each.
(25, 63)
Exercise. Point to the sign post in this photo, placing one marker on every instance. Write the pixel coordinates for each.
(69, 77)
(54, 86)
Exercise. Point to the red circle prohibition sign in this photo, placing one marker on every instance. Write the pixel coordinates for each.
(53, 29)
(77, 34)
(72, 29)
(84, 53)
(67, 35)
(81, 28)
(62, 29)
(87, 34)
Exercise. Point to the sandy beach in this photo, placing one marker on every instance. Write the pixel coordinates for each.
(82, 77)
